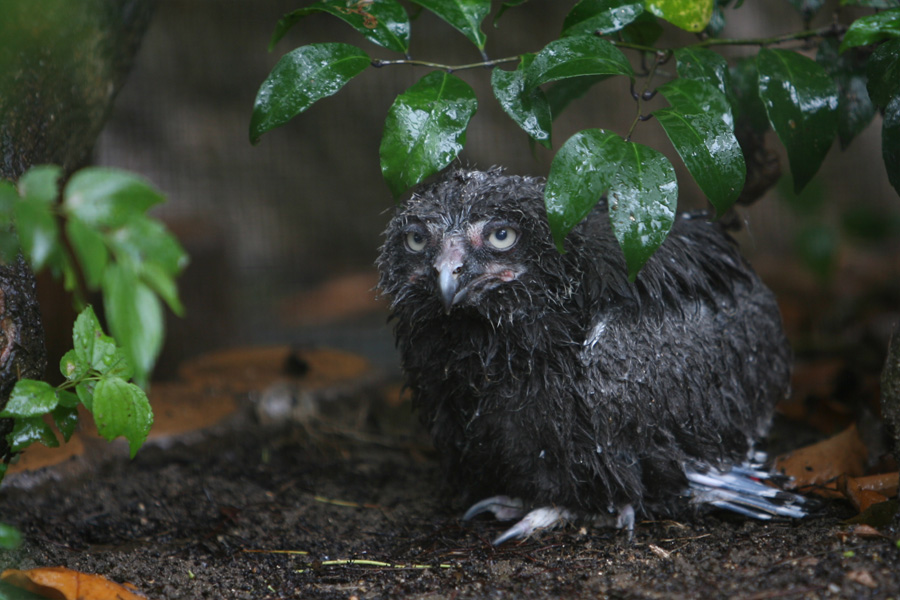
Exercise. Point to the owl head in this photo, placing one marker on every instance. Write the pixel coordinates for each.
(473, 241)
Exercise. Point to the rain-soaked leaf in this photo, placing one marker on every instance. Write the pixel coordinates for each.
(701, 128)
(601, 16)
(302, 77)
(30, 398)
(642, 201)
(872, 28)
(576, 56)
(890, 142)
(561, 93)
(29, 430)
(425, 129)
(855, 108)
(382, 22)
(529, 109)
(690, 15)
(883, 73)
(746, 104)
(65, 584)
(704, 65)
(801, 101)
(106, 197)
(465, 15)
(122, 409)
(582, 170)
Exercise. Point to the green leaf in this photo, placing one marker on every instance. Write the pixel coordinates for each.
(66, 420)
(67, 399)
(90, 249)
(529, 110)
(871, 29)
(705, 65)
(425, 129)
(642, 202)
(10, 538)
(560, 93)
(645, 30)
(890, 142)
(855, 108)
(582, 170)
(601, 16)
(382, 22)
(27, 431)
(302, 77)
(574, 57)
(690, 15)
(506, 6)
(38, 233)
(801, 101)
(122, 409)
(84, 332)
(85, 393)
(30, 398)
(817, 246)
(41, 184)
(883, 73)
(11, 592)
(465, 15)
(747, 106)
(72, 366)
(135, 319)
(105, 197)
(701, 129)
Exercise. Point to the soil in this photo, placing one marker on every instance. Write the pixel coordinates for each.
(352, 505)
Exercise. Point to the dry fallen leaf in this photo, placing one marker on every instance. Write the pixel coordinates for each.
(61, 583)
(818, 464)
(863, 578)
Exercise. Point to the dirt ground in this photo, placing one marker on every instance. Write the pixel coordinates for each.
(346, 501)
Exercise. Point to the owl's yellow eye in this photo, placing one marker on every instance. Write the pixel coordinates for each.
(503, 238)
(415, 241)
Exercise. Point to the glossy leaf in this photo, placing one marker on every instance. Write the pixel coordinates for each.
(27, 431)
(72, 366)
(890, 142)
(425, 129)
(704, 65)
(645, 30)
(382, 22)
(601, 16)
(855, 108)
(642, 202)
(465, 15)
(30, 398)
(135, 319)
(746, 105)
(883, 73)
(302, 77)
(690, 15)
(40, 184)
(561, 93)
(90, 249)
(529, 109)
(872, 28)
(38, 232)
(576, 56)
(67, 399)
(801, 101)
(701, 129)
(582, 170)
(66, 420)
(122, 409)
(106, 197)
(92, 348)
(506, 6)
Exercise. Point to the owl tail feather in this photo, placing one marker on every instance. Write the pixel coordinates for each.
(743, 489)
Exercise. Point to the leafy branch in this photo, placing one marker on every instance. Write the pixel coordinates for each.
(808, 103)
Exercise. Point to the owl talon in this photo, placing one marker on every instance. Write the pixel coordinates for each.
(536, 520)
(503, 508)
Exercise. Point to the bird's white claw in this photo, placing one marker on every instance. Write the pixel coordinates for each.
(537, 519)
(625, 520)
(503, 508)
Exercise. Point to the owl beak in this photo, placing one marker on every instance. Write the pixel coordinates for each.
(449, 266)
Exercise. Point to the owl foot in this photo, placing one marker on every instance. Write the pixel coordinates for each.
(505, 508)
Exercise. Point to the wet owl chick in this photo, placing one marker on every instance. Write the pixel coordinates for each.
(555, 388)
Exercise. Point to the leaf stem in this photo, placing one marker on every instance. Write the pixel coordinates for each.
(826, 31)
(378, 63)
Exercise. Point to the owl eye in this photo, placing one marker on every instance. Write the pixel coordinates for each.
(502, 238)
(415, 241)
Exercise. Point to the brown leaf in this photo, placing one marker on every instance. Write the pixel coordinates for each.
(863, 578)
(60, 583)
(815, 465)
